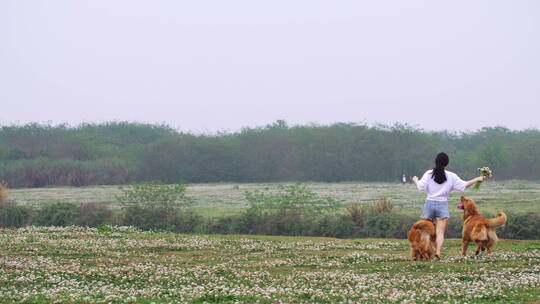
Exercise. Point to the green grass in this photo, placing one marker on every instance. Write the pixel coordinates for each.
(119, 265)
(225, 199)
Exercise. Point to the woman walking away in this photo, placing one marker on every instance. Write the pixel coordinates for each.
(438, 183)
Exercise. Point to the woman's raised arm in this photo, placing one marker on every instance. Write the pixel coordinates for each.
(474, 181)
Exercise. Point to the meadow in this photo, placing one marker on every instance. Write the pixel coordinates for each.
(117, 264)
(228, 198)
(123, 265)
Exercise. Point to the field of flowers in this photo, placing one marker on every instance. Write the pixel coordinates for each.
(121, 264)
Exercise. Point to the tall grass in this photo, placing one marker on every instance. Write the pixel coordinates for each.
(382, 205)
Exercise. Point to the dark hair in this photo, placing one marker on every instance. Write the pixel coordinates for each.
(438, 174)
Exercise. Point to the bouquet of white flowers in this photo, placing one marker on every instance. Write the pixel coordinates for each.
(484, 172)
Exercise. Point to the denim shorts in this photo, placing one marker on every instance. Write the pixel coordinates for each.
(435, 210)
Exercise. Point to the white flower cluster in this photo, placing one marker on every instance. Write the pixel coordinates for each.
(84, 265)
(485, 172)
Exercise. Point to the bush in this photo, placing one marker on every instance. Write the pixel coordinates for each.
(521, 226)
(357, 213)
(294, 222)
(14, 216)
(291, 210)
(145, 218)
(94, 215)
(377, 220)
(290, 198)
(186, 221)
(157, 206)
(56, 214)
(380, 206)
(282, 223)
(161, 219)
(224, 225)
(454, 227)
(340, 226)
(155, 195)
(386, 225)
(253, 221)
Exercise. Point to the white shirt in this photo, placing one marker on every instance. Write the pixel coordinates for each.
(439, 192)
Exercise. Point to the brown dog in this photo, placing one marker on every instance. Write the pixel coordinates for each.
(422, 239)
(479, 229)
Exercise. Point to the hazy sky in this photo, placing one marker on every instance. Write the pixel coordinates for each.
(219, 65)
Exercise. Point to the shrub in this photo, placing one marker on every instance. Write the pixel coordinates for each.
(145, 218)
(357, 213)
(155, 195)
(454, 227)
(224, 225)
(157, 206)
(340, 226)
(275, 223)
(292, 222)
(521, 226)
(14, 216)
(253, 221)
(93, 215)
(291, 210)
(382, 205)
(377, 220)
(297, 197)
(56, 214)
(186, 221)
(161, 219)
(383, 225)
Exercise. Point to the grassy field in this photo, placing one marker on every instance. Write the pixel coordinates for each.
(122, 265)
(214, 199)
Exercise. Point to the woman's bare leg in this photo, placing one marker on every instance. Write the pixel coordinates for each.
(440, 229)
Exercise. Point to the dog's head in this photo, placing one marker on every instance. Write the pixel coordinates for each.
(469, 207)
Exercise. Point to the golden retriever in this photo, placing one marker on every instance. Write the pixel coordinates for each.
(479, 229)
(422, 239)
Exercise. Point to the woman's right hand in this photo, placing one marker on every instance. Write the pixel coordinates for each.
(480, 179)
(415, 179)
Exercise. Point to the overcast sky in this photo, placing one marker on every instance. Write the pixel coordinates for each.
(216, 65)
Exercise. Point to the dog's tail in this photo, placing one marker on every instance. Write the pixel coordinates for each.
(498, 221)
(426, 244)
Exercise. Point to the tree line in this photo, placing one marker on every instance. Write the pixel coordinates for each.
(37, 155)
